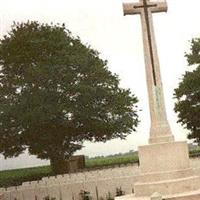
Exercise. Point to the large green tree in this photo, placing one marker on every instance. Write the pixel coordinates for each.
(188, 94)
(55, 93)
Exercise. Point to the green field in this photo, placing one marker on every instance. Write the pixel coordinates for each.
(112, 160)
(17, 176)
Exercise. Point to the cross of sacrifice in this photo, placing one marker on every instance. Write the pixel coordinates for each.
(160, 130)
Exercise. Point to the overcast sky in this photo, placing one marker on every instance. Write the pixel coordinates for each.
(101, 24)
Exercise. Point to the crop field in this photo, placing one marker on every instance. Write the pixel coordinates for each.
(111, 160)
(18, 176)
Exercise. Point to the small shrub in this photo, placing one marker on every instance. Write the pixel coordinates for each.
(85, 195)
(119, 192)
(109, 197)
(48, 198)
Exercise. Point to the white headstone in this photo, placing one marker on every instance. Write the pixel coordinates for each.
(66, 192)
(29, 193)
(156, 196)
(54, 191)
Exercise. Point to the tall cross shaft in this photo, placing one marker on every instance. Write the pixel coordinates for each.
(145, 6)
(160, 130)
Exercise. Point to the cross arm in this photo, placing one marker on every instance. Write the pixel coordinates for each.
(129, 9)
(136, 8)
(161, 7)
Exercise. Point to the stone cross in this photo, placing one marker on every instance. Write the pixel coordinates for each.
(160, 130)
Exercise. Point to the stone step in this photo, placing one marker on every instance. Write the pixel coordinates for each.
(153, 177)
(168, 187)
(193, 195)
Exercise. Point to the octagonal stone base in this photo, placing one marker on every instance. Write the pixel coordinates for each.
(194, 195)
(165, 168)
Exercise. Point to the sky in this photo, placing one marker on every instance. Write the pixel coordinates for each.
(118, 39)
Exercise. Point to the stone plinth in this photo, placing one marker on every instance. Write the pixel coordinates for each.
(163, 157)
(165, 168)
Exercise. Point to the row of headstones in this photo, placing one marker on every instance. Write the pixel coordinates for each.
(100, 189)
(91, 175)
(85, 176)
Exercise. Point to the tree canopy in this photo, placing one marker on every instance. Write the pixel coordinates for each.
(56, 93)
(188, 94)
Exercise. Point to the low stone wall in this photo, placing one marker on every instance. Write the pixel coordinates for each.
(100, 183)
